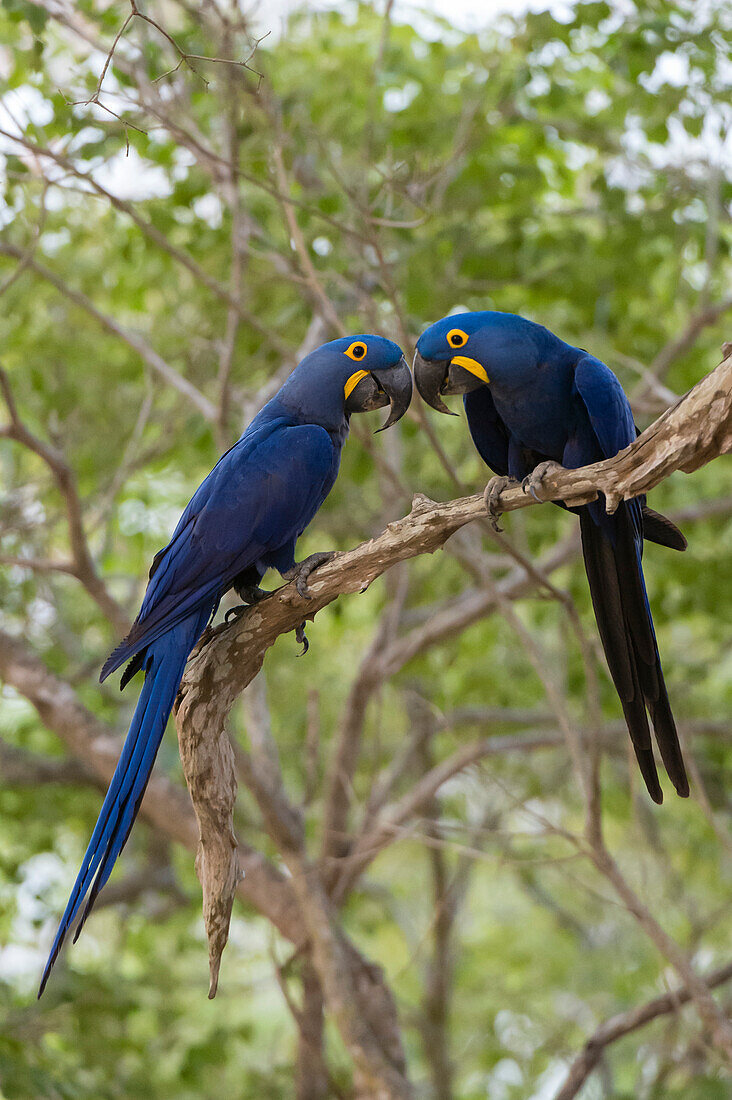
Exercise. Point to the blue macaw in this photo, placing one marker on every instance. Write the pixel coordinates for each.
(243, 519)
(532, 399)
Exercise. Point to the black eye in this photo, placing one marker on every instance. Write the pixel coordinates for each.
(357, 350)
(456, 338)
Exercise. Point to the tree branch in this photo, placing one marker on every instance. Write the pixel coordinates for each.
(21, 768)
(686, 340)
(83, 566)
(232, 300)
(381, 1070)
(132, 339)
(624, 1024)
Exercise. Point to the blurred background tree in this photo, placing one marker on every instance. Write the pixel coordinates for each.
(178, 228)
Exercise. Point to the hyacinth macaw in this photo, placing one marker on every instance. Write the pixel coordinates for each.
(244, 519)
(532, 399)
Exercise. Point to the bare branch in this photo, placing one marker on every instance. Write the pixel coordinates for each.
(717, 1022)
(39, 565)
(208, 763)
(382, 1072)
(132, 339)
(319, 297)
(232, 299)
(386, 826)
(83, 566)
(686, 340)
(21, 768)
(371, 674)
(313, 1080)
(626, 1023)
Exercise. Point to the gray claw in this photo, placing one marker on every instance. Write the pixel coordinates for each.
(528, 486)
(235, 612)
(302, 570)
(301, 639)
(491, 496)
(533, 483)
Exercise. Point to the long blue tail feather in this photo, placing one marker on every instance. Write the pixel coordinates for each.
(164, 665)
(615, 573)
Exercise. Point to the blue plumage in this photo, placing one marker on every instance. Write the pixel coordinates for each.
(530, 397)
(245, 518)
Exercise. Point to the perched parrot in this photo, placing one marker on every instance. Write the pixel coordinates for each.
(244, 519)
(532, 399)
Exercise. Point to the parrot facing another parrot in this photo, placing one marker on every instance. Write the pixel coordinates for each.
(532, 399)
(243, 519)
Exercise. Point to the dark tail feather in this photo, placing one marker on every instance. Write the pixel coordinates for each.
(643, 637)
(164, 669)
(605, 590)
(668, 741)
(660, 529)
(626, 629)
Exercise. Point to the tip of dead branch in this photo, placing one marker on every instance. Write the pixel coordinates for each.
(612, 502)
(420, 503)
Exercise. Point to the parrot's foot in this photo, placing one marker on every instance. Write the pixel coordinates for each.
(491, 496)
(533, 483)
(302, 570)
(251, 593)
(301, 639)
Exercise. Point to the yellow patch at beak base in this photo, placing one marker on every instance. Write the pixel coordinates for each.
(472, 365)
(353, 381)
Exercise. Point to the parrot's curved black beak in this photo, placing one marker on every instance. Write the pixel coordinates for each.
(391, 387)
(430, 376)
(397, 384)
(437, 377)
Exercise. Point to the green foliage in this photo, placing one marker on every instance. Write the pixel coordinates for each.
(535, 167)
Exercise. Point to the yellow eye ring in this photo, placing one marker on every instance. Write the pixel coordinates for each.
(356, 351)
(456, 338)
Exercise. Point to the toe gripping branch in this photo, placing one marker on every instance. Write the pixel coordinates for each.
(492, 496)
(300, 573)
(250, 594)
(301, 570)
(534, 482)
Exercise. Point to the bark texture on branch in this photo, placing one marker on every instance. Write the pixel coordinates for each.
(208, 763)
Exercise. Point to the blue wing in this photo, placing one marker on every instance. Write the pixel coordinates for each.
(606, 404)
(602, 425)
(250, 510)
(488, 432)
